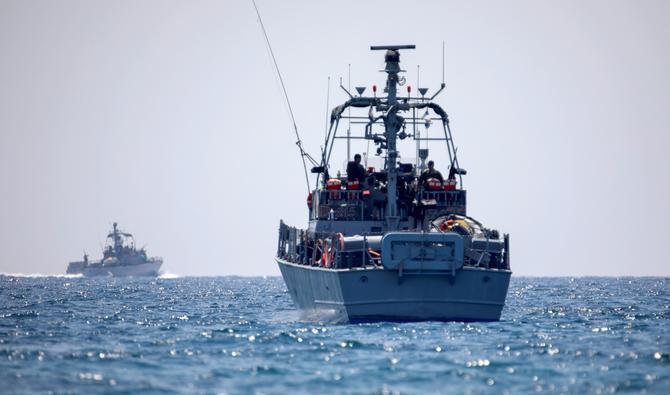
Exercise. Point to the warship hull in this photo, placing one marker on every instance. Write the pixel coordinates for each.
(371, 294)
(148, 269)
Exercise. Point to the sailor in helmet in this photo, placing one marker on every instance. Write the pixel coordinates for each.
(430, 172)
(356, 171)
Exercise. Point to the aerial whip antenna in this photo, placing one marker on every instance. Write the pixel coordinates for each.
(349, 116)
(303, 154)
(442, 62)
(325, 134)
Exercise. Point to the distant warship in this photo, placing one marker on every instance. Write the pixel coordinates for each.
(396, 243)
(120, 259)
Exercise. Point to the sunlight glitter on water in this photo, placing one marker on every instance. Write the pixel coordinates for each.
(242, 335)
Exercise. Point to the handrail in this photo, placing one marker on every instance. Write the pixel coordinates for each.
(292, 247)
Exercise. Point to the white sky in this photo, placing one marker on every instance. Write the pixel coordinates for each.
(167, 117)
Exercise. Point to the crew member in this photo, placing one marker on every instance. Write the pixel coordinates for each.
(430, 172)
(356, 171)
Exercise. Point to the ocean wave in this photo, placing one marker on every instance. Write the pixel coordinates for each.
(167, 275)
(245, 335)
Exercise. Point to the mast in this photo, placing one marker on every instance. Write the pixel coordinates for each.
(387, 110)
(392, 123)
(117, 238)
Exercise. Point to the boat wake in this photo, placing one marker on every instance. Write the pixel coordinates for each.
(308, 316)
(167, 276)
(40, 275)
(325, 316)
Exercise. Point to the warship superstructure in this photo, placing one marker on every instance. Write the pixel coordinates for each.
(120, 258)
(398, 243)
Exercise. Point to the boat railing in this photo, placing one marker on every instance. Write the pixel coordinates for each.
(290, 245)
(457, 196)
(356, 205)
(293, 246)
(453, 197)
(341, 204)
(349, 195)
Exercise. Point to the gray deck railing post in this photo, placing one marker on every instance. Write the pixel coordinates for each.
(280, 238)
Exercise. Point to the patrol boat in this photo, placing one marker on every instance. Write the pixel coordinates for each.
(120, 259)
(391, 247)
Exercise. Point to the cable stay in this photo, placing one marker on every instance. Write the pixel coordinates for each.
(303, 153)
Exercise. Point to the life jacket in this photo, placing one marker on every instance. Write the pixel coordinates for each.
(433, 184)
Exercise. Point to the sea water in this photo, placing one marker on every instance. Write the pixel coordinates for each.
(243, 335)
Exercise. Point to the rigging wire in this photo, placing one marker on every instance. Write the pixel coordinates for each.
(303, 154)
(325, 133)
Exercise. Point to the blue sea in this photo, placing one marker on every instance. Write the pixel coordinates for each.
(242, 335)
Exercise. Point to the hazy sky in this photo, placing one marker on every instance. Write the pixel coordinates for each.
(167, 117)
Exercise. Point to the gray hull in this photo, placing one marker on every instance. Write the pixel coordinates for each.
(149, 269)
(474, 294)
